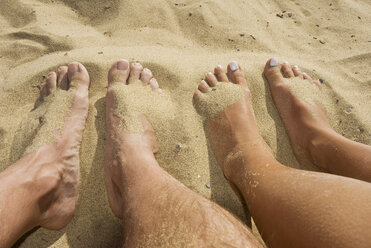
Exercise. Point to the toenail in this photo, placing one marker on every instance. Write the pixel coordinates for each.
(209, 73)
(73, 67)
(50, 73)
(286, 63)
(122, 65)
(234, 66)
(296, 67)
(273, 62)
(219, 66)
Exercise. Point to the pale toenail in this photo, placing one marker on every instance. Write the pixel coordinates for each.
(296, 67)
(209, 73)
(286, 63)
(273, 62)
(234, 66)
(122, 65)
(219, 66)
(50, 73)
(73, 67)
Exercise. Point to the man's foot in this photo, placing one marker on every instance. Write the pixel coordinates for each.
(52, 168)
(305, 122)
(123, 146)
(234, 127)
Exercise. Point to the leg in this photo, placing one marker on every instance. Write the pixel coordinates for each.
(41, 188)
(157, 210)
(292, 208)
(311, 136)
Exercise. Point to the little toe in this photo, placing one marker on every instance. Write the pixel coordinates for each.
(318, 83)
(272, 72)
(154, 85)
(236, 74)
(119, 72)
(146, 76)
(203, 87)
(220, 74)
(297, 71)
(286, 70)
(135, 71)
(211, 79)
(62, 79)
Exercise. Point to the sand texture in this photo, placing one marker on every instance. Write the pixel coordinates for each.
(180, 41)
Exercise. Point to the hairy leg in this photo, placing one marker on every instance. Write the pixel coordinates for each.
(311, 136)
(41, 188)
(292, 208)
(156, 209)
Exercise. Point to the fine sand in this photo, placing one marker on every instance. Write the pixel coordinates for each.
(180, 41)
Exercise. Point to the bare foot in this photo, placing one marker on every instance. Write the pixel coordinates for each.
(304, 122)
(120, 143)
(52, 171)
(235, 126)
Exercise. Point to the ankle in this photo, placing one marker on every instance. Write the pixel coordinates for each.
(319, 144)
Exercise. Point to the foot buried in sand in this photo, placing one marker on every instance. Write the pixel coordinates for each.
(49, 141)
(304, 117)
(224, 99)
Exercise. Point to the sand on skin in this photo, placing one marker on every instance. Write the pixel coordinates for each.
(179, 48)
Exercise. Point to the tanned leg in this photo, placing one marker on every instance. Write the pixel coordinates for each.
(41, 188)
(156, 209)
(292, 208)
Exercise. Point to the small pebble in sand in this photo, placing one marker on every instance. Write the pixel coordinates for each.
(289, 14)
(178, 146)
(242, 35)
(213, 89)
(337, 101)
(361, 129)
(322, 42)
(190, 14)
(207, 185)
(100, 52)
(349, 110)
(279, 15)
(321, 80)
(198, 176)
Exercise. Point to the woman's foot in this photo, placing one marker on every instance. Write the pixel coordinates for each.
(234, 127)
(316, 145)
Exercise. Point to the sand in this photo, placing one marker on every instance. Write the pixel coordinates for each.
(180, 42)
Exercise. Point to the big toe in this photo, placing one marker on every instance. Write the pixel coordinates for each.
(236, 74)
(119, 72)
(272, 72)
(78, 75)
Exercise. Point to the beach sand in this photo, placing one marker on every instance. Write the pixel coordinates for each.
(180, 41)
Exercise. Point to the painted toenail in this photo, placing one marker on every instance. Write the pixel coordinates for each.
(234, 66)
(73, 67)
(273, 62)
(122, 65)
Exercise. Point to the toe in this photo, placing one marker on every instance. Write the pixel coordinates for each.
(211, 79)
(297, 71)
(146, 76)
(49, 86)
(318, 83)
(286, 70)
(77, 75)
(236, 74)
(135, 71)
(203, 87)
(154, 85)
(197, 94)
(119, 72)
(220, 74)
(272, 72)
(306, 76)
(62, 80)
